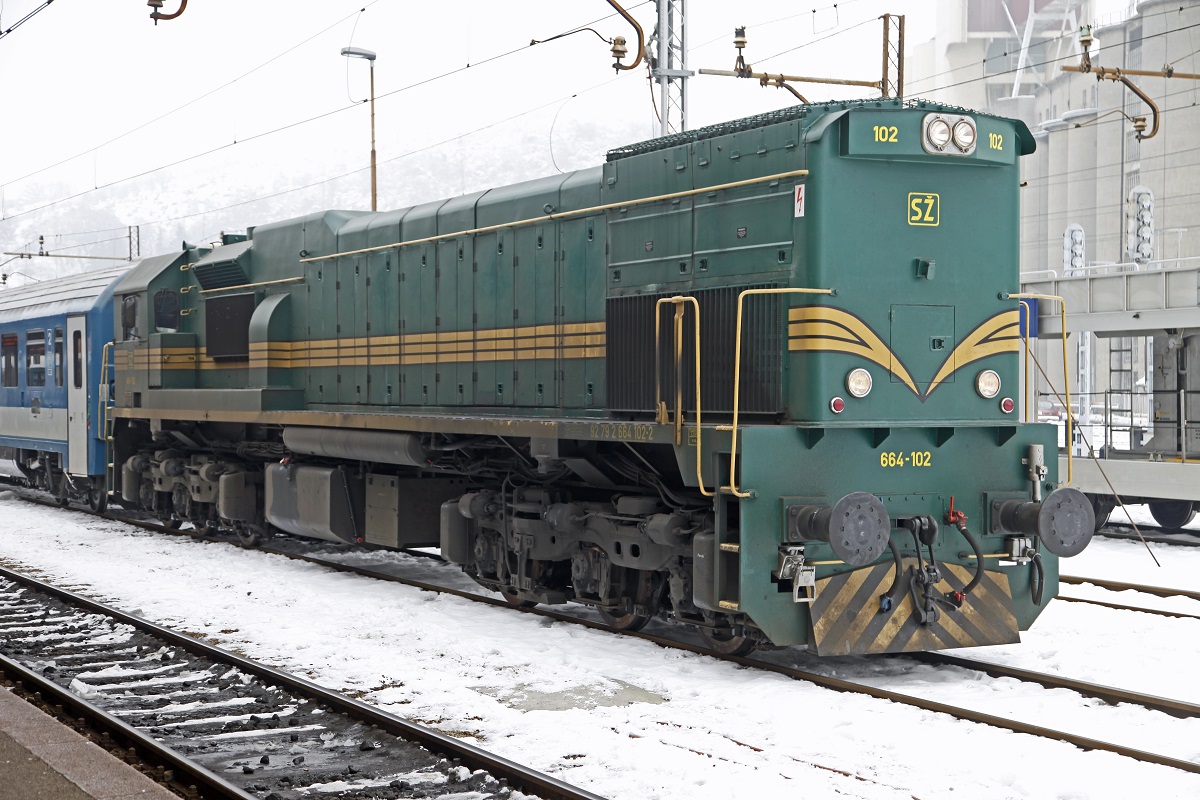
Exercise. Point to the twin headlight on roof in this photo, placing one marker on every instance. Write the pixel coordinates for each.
(948, 134)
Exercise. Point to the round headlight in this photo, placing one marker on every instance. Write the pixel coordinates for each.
(964, 134)
(938, 133)
(987, 383)
(858, 382)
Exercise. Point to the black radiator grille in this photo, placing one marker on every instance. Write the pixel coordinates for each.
(630, 352)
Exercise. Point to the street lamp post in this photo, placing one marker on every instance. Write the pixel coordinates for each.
(358, 52)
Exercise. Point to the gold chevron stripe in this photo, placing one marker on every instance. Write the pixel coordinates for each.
(997, 334)
(818, 329)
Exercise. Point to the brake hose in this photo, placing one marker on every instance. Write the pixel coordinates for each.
(957, 598)
(971, 540)
(1035, 588)
(888, 599)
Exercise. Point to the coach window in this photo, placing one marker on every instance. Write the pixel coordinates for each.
(8, 359)
(166, 311)
(77, 358)
(35, 358)
(58, 357)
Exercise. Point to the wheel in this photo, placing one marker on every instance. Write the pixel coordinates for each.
(646, 595)
(633, 621)
(97, 497)
(1103, 506)
(723, 641)
(1173, 514)
(515, 600)
(248, 537)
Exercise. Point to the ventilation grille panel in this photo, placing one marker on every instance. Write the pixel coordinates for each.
(631, 360)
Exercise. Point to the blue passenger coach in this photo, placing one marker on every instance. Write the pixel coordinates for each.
(52, 337)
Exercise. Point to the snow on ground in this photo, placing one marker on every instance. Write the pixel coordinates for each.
(627, 719)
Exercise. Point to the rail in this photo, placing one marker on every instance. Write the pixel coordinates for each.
(834, 683)
(528, 780)
(186, 772)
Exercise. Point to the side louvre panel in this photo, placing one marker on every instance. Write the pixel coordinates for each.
(629, 322)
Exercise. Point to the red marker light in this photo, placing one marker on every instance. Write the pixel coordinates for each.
(1007, 405)
(837, 405)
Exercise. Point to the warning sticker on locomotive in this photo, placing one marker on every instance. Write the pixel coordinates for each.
(799, 198)
(923, 209)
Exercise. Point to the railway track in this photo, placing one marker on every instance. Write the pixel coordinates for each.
(230, 726)
(1151, 533)
(132, 745)
(1109, 695)
(1120, 586)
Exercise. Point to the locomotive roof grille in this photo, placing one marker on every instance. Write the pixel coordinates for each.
(771, 118)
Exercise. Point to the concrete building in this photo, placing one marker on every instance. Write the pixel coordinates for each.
(1007, 57)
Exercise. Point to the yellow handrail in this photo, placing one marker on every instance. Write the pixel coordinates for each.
(246, 285)
(106, 417)
(1028, 375)
(1062, 310)
(737, 377)
(105, 400)
(679, 301)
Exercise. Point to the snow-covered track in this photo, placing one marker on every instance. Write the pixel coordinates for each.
(1109, 694)
(1121, 586)
(260, 731)
(1151, 533)
(761, 663)
(1116, 585)
(158, 761)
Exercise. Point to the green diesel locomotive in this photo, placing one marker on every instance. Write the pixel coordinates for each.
(758, 378)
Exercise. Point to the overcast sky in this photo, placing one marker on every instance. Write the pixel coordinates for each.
(82, 74)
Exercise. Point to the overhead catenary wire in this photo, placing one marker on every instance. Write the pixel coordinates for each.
(6, 31)
(98, 186)
(385, 161)
(777, 20)
(326, 114)
(177, 109)
(289, 126)
(1071, 57)
(1054, 39)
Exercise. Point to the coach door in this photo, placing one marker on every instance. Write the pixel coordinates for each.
(77, 396)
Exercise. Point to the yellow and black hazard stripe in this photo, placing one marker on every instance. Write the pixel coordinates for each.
(847, 617)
